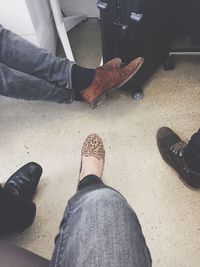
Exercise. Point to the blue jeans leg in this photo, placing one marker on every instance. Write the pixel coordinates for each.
(19, 54)
(18, 84)
(99, 229)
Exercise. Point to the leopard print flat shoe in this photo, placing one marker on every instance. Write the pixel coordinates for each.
(93, 147)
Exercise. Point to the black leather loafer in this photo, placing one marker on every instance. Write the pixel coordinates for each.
(23, 182)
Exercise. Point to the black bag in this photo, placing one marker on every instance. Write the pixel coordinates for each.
(186, 34)
(188, 19)
(133, 28)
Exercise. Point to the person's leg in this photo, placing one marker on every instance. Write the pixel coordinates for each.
(19, 54)
(89, 85)
(13, 256)
(20, 85)
(99, 228)
(182, 157)
(192, 152)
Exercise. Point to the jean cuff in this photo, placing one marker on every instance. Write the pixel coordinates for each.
(69, 82)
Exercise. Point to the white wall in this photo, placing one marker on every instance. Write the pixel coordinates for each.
(14, 16)
(43, 22)
(30, 19)
(73, 7)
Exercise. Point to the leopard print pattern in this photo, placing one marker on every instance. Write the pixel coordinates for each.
(93, 147)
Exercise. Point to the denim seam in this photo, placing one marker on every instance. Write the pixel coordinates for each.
(70, 76)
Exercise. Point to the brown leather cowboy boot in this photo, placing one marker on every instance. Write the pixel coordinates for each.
(106, 79)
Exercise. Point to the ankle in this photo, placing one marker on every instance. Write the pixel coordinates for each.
(81, 79)
(91, 166)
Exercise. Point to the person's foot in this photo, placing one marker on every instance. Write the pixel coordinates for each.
(23, 183)
(83, 77)
(92, 157)
(107, 79)
(171, 148)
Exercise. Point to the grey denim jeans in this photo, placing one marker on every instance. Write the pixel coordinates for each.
(99, 229)
(29, 72)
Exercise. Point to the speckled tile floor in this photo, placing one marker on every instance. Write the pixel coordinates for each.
(50, 134)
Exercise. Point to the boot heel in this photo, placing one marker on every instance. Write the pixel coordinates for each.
(97, 101)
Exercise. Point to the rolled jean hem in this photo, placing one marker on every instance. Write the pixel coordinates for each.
(70, 85)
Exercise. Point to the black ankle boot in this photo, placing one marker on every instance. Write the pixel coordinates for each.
(23, 183)
(171, 148)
